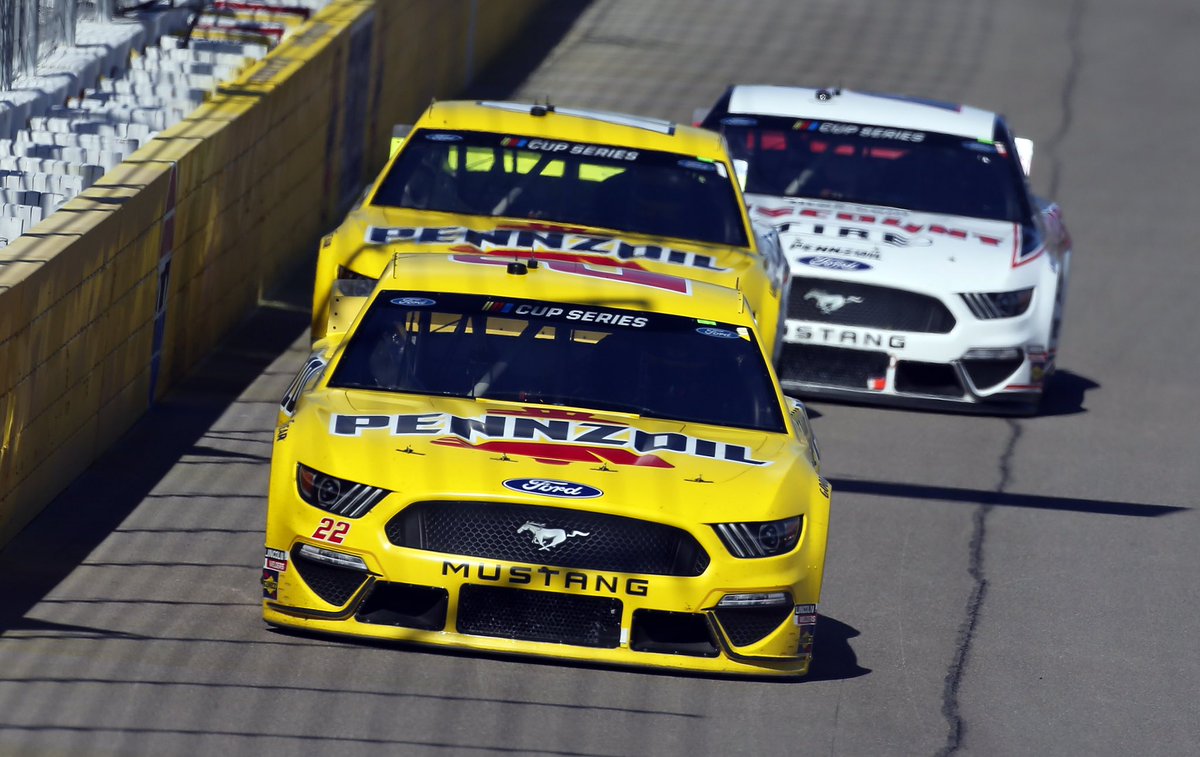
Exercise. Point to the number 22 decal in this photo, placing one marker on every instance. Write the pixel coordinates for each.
(331, 530)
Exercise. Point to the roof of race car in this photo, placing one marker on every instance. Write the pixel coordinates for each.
(572, 124)
(896, 111)
(551, 280)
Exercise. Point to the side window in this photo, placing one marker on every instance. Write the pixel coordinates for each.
(304, 380)
(804, 431)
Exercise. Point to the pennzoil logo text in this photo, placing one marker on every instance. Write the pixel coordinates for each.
(561, 431)
(539, 241)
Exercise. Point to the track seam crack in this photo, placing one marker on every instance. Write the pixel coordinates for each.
(966, 631)
(1074, 63)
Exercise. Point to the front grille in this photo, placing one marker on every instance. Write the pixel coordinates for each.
(406, 606)
(847, 303)
(748, 625)
(938, 379)
(332, 584)
(831, 366)
(685, 633)
(593, 541)
(539, 616)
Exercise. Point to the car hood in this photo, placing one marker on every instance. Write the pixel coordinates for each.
(929, 252)
(436, 448)
(370, 235)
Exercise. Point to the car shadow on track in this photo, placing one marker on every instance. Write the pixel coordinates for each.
(898, 490)
(1065, 394)
(833, 657)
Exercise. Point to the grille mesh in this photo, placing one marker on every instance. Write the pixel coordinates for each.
(831, 366)
(937, 379)
(852, 304)
(334, 585)
(539, 616)
(600, 542)
(747, 625)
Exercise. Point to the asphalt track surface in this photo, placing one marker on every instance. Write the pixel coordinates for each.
(994, 586)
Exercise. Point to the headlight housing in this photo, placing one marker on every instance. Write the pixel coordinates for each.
(991, 305)
(760, 538)
(336, 495)
(345, 274)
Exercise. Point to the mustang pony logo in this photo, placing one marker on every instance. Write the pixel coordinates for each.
(548, 538)
(828, 303)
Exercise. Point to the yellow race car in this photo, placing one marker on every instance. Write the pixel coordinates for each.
(544, 457)
(631, 192)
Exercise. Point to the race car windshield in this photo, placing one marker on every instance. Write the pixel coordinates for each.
(637, 191)
(871, 165)
(551, 353)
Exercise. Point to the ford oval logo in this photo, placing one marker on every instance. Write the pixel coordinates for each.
(548, 487)
(833, 264)
(719, 333)
(414, 302)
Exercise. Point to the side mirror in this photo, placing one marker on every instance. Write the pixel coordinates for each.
(1024, 153)
(740, 169)
(400, 132)
(804, 431)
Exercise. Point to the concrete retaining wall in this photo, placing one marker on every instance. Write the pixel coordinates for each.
(112, 299)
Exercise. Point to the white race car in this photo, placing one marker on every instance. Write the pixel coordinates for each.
(924, 270)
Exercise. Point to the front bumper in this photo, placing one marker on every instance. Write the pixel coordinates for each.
(995, 368)
(596, 616)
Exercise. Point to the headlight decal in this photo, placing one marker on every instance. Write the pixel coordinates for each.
(336, 495)
(346, 274)
(760, 539)
(991, 305)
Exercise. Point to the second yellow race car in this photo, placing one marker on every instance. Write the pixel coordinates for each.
(542, 457)
(630, 192)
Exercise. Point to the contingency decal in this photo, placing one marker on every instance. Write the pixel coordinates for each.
(276, 560)
(806, 618)
(270, 583)
(552, 436)
(537, 241)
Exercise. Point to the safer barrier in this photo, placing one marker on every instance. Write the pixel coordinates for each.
(116, 296)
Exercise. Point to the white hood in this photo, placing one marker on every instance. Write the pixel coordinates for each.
(926, 252)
